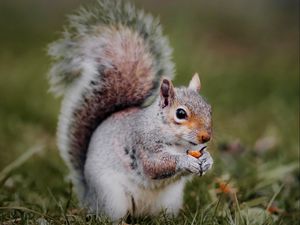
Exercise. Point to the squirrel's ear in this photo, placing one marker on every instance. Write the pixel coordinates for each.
(195, 83)
(166, 92)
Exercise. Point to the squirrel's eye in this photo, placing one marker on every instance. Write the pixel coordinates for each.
(181, 114)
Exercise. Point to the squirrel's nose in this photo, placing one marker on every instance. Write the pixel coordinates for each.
(204, 136)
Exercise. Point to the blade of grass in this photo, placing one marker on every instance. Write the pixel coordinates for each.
(4, 174)
(60, 207)
(238, 207)
(24, 209)
(273, 197)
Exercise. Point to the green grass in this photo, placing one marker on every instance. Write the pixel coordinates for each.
(247, 57)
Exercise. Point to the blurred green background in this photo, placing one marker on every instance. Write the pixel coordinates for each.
(247, 55)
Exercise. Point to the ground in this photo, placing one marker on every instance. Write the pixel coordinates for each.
(247, 56)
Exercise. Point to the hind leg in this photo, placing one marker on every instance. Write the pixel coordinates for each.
(171, 199)
(106, 196)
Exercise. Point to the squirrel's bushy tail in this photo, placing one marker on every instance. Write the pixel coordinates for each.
(110, 57)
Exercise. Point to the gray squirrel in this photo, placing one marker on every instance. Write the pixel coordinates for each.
(124, 129)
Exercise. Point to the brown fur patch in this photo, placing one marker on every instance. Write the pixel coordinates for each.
(193, 122)
(159, 166)
(124, 113)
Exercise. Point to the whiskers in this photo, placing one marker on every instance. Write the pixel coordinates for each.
(190, 136)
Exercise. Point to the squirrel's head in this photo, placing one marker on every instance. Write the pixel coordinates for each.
(186, 112)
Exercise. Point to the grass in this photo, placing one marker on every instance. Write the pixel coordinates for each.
(247, 56)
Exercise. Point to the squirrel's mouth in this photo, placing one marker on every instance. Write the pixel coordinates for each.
(193, 143)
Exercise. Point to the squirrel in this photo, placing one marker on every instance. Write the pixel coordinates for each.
(124, 129)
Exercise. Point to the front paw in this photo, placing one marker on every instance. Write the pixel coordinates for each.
(205, 162)
(193, 165)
